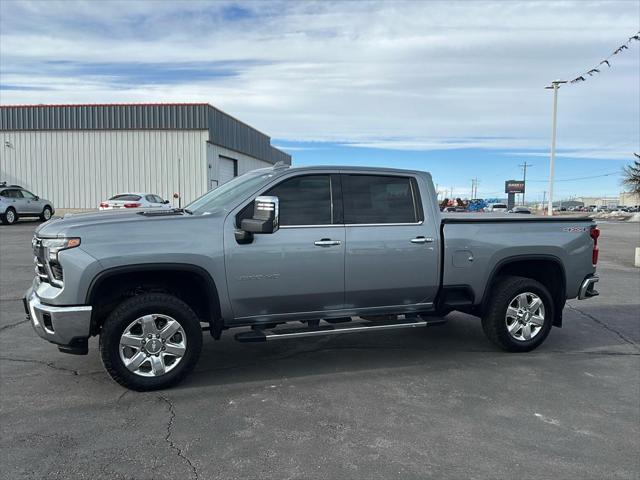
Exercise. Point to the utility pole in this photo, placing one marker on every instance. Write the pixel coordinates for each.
(474, 188)
(544, 195)
(555, 85)
(524, 180)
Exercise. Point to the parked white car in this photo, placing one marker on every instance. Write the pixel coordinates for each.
(135, 200)
(498, 207)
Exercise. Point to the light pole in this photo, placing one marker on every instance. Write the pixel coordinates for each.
(555, 85)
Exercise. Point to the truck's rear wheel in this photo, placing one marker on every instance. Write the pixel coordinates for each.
(150, 341)
(519, 314)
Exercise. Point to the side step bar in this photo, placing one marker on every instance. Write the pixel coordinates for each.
(263, 335)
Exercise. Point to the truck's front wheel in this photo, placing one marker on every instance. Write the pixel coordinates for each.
(150, 341)
(519, 314)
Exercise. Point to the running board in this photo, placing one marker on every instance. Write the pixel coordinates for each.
(263, 335)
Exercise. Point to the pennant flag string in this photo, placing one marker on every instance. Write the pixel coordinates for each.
(606, 61)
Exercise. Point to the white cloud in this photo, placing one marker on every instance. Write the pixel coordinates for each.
(415, 75)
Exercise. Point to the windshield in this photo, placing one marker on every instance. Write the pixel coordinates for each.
(229, 193)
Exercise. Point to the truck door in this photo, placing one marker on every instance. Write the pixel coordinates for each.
(300, 267)
(391, 253)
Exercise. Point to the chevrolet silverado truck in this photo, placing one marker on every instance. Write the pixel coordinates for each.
(282, 253)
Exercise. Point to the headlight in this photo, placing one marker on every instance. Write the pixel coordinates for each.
(52, 246)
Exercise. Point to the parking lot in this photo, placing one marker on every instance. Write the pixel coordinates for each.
(426, 403)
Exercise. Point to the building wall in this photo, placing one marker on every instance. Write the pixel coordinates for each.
(245, 163)
(223, 129)
(629, 199)
(599, 201)
(79, 168)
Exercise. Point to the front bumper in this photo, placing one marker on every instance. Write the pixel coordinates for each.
(587, 289)
(65, 326)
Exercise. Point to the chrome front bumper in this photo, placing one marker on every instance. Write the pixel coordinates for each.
(60, 325)
(587, 289)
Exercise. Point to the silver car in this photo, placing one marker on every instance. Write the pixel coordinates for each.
(16, 202)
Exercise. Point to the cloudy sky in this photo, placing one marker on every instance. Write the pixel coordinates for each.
(456, 88)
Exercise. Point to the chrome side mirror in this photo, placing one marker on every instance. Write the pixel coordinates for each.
(265, 216)
(265, 219)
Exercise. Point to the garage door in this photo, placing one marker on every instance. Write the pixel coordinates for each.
(228, 170)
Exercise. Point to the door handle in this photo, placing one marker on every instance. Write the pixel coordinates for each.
(422, 239)
(326, 242)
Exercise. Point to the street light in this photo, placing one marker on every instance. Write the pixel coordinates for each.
(555, 85)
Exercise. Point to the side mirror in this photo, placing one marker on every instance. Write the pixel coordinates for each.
(265, 216)
(264, 220)
(37, 198)
(166, 202)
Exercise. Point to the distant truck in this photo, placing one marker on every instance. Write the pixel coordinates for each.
(323, 250)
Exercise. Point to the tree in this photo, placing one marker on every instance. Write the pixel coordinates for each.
(632, 176)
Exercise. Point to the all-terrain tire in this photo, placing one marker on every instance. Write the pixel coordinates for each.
(135, 308)
(494, 322)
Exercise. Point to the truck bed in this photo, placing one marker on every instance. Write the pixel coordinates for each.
(477, 245)
(506, 217)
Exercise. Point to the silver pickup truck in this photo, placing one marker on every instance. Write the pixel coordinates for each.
(325, 250)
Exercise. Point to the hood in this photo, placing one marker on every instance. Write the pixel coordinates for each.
(73, 224)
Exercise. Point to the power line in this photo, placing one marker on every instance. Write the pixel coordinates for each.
(579, 178)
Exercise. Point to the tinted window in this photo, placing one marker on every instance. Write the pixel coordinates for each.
(304, 200)
(150, 198)
(27, 194)
(11, 193)
(158, 199)
(126, 196)
(378, 199)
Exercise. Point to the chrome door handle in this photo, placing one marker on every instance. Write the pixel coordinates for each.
(326, 242)
(422, 239)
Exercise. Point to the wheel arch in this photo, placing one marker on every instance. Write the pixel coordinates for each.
(546, 269)
(191, 283)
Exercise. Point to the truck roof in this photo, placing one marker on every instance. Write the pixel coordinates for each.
(354, 168)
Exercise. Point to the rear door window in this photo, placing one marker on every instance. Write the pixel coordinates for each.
(380, 199)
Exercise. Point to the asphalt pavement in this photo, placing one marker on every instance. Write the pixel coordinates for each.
(439, 403)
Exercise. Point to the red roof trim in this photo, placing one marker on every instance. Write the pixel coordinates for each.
(107, 105)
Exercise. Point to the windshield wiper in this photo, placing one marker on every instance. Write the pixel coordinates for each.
(161, 213)
(183, 210)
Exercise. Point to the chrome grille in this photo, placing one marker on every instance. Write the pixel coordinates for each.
(40, 260)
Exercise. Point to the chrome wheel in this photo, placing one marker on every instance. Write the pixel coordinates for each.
(46, 214)
(152, 345)
(10, 216)
(525, 316)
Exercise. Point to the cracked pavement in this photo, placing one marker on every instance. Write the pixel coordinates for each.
(428, 403)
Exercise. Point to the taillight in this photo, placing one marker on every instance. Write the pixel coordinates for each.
(132, 205)
(595, 233)
(104, 205)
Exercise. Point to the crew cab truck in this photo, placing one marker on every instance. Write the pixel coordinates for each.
(324, 250)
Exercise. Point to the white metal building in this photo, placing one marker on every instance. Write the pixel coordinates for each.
(78, 155)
